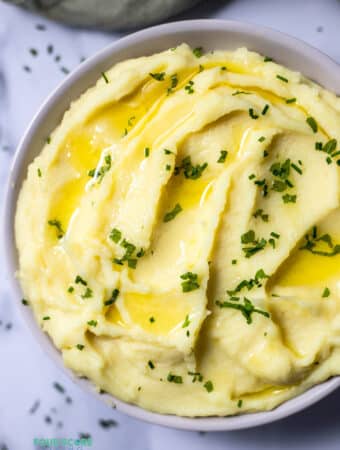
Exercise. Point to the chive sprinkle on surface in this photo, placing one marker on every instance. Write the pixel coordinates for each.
(174, 378)
(223, 156)
(198, 52)
(326, 292)
(208, 385)
(281, 78)
(173, 213)
(157, 76)
(312, 123)
(265, 109)
(252, 114)
(190, 282)
(105, 77)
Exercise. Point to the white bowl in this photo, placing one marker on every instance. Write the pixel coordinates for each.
(211, 34)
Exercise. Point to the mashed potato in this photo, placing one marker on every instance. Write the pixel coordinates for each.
(179, 234)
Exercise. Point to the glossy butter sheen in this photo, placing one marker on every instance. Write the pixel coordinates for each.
(116, 163)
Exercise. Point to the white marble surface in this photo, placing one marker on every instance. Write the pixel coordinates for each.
(26, 374)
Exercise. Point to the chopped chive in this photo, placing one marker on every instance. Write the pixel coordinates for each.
(261, 139)
(46, 318)
(223, 156)
(115, 235)
(296, 168)
(291, 100)
(174, 378)
(151, 319)
(132, 263)
(239, 403)
(140, 253)
(190, 282)
(208, 386)
(189, 87)
(280, 77)
(173, 213)
(198, 52)
(113, 297)
(34, 52)
(151, 364)
(252, 114)
(88, 293)
(25, 302)
(80, 347)
(234, 261)
(79, 280)
(146, 152)
(186, 322)
(92, 323)
(39, 172)
(330, 146)
(59, 229)
(70, 289)
(287, 198)
(265, 109)
(312, 123)
(259, 213)
(105, 77)
(267, 59)
(158, 76)
(326, 292)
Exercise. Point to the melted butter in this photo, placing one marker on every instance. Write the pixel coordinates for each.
(232, 66)
(168, 310)
(113, 316)
(307, 269)
(84, 145)
(66, 200)
(304, 268)
(189, 193)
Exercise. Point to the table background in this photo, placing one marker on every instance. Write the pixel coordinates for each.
(30, 406)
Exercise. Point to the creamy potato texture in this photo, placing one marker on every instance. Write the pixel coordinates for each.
(179, 234)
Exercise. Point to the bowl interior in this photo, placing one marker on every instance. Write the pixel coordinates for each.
(211, 34)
